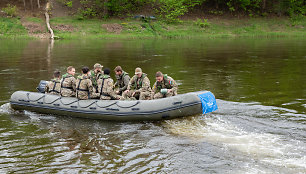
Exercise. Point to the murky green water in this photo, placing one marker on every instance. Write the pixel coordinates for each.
(260, 126)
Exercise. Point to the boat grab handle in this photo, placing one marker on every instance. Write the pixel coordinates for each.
(112, 109)
(176, 103)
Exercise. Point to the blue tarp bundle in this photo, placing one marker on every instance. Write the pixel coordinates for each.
(209, 103)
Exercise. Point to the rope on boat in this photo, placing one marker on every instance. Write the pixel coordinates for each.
(106, 106)
(87, 105)
(77, 100)
(69, 103)
(128, 106)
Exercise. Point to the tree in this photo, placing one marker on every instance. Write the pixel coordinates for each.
(31, 4)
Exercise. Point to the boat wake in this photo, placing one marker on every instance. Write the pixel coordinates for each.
(246, 130)
(6, 109)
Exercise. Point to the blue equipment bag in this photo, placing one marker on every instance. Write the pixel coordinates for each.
(209, 103)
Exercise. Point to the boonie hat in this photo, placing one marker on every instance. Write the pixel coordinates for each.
(97, 65)
(138, 71)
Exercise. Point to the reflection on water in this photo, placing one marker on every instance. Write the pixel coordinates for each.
(259, 127)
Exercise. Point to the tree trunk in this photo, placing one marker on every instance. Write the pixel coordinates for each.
(48, 25)
(48, 20)
(263, 5)
(31, 1)
(24, 4)
(38, 4)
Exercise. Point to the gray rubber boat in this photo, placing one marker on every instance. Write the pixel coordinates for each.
(167, 108)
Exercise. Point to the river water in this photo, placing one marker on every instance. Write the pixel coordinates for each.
(260, 126)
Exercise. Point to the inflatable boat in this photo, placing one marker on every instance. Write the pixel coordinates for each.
(119, 110)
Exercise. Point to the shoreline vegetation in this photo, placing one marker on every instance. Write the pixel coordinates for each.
(73, 19)
(72, 28)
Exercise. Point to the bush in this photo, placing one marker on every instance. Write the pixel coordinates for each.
(67, 3)
(10, 10)
(202, 23)
(171, 10)
(86, 13)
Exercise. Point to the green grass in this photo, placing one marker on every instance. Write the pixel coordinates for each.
(35, 20)
(12, 28)
(92, 28)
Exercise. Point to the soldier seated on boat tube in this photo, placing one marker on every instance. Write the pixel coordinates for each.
(138, 87)
(164, 86)
(96, 74)
(68, 83)
(54, 86)
(105, 87)
(84, 87)
(123, 80)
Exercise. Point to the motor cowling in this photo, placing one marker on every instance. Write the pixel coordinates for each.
(41, 86)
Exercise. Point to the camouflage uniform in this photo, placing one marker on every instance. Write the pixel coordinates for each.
(166, 83)
(68, 85)
(53, 87)
(84, 88)
(106, 84)
(122, 82)
(141, 87)
(94, 78)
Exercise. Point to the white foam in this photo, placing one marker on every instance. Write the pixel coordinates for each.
(6, 108)
(264, 147)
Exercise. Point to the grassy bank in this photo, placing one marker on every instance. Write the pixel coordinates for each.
(71, 28)
(12, 28)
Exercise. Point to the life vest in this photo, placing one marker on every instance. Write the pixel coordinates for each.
(101, 91)
(121, 79)
(54, 86)
(139, 84)
(63, 79)
(167, 82)
(94, 77)
(78, 86)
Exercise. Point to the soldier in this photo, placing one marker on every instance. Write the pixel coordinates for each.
(123, 79)
(54, 86)
(105, 87)
(68, 83)
(164, 86)
(96, 74)
(138, 87)
(84, 88)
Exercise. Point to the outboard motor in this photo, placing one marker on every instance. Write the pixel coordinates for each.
(41, 86)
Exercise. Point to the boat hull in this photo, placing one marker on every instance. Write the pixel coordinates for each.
(137, 110)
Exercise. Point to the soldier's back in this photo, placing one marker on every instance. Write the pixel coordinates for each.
(68, 86)
(53, 87)
(82, 88)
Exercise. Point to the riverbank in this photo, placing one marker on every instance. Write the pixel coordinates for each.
(72, 28)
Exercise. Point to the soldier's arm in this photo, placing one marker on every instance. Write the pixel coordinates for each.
(154, 88)
(131, 82)
(109, 90)
(173, 85)
(126, 82)
(73, 83)
(47, 88)
(99, 85)
(90, 87)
